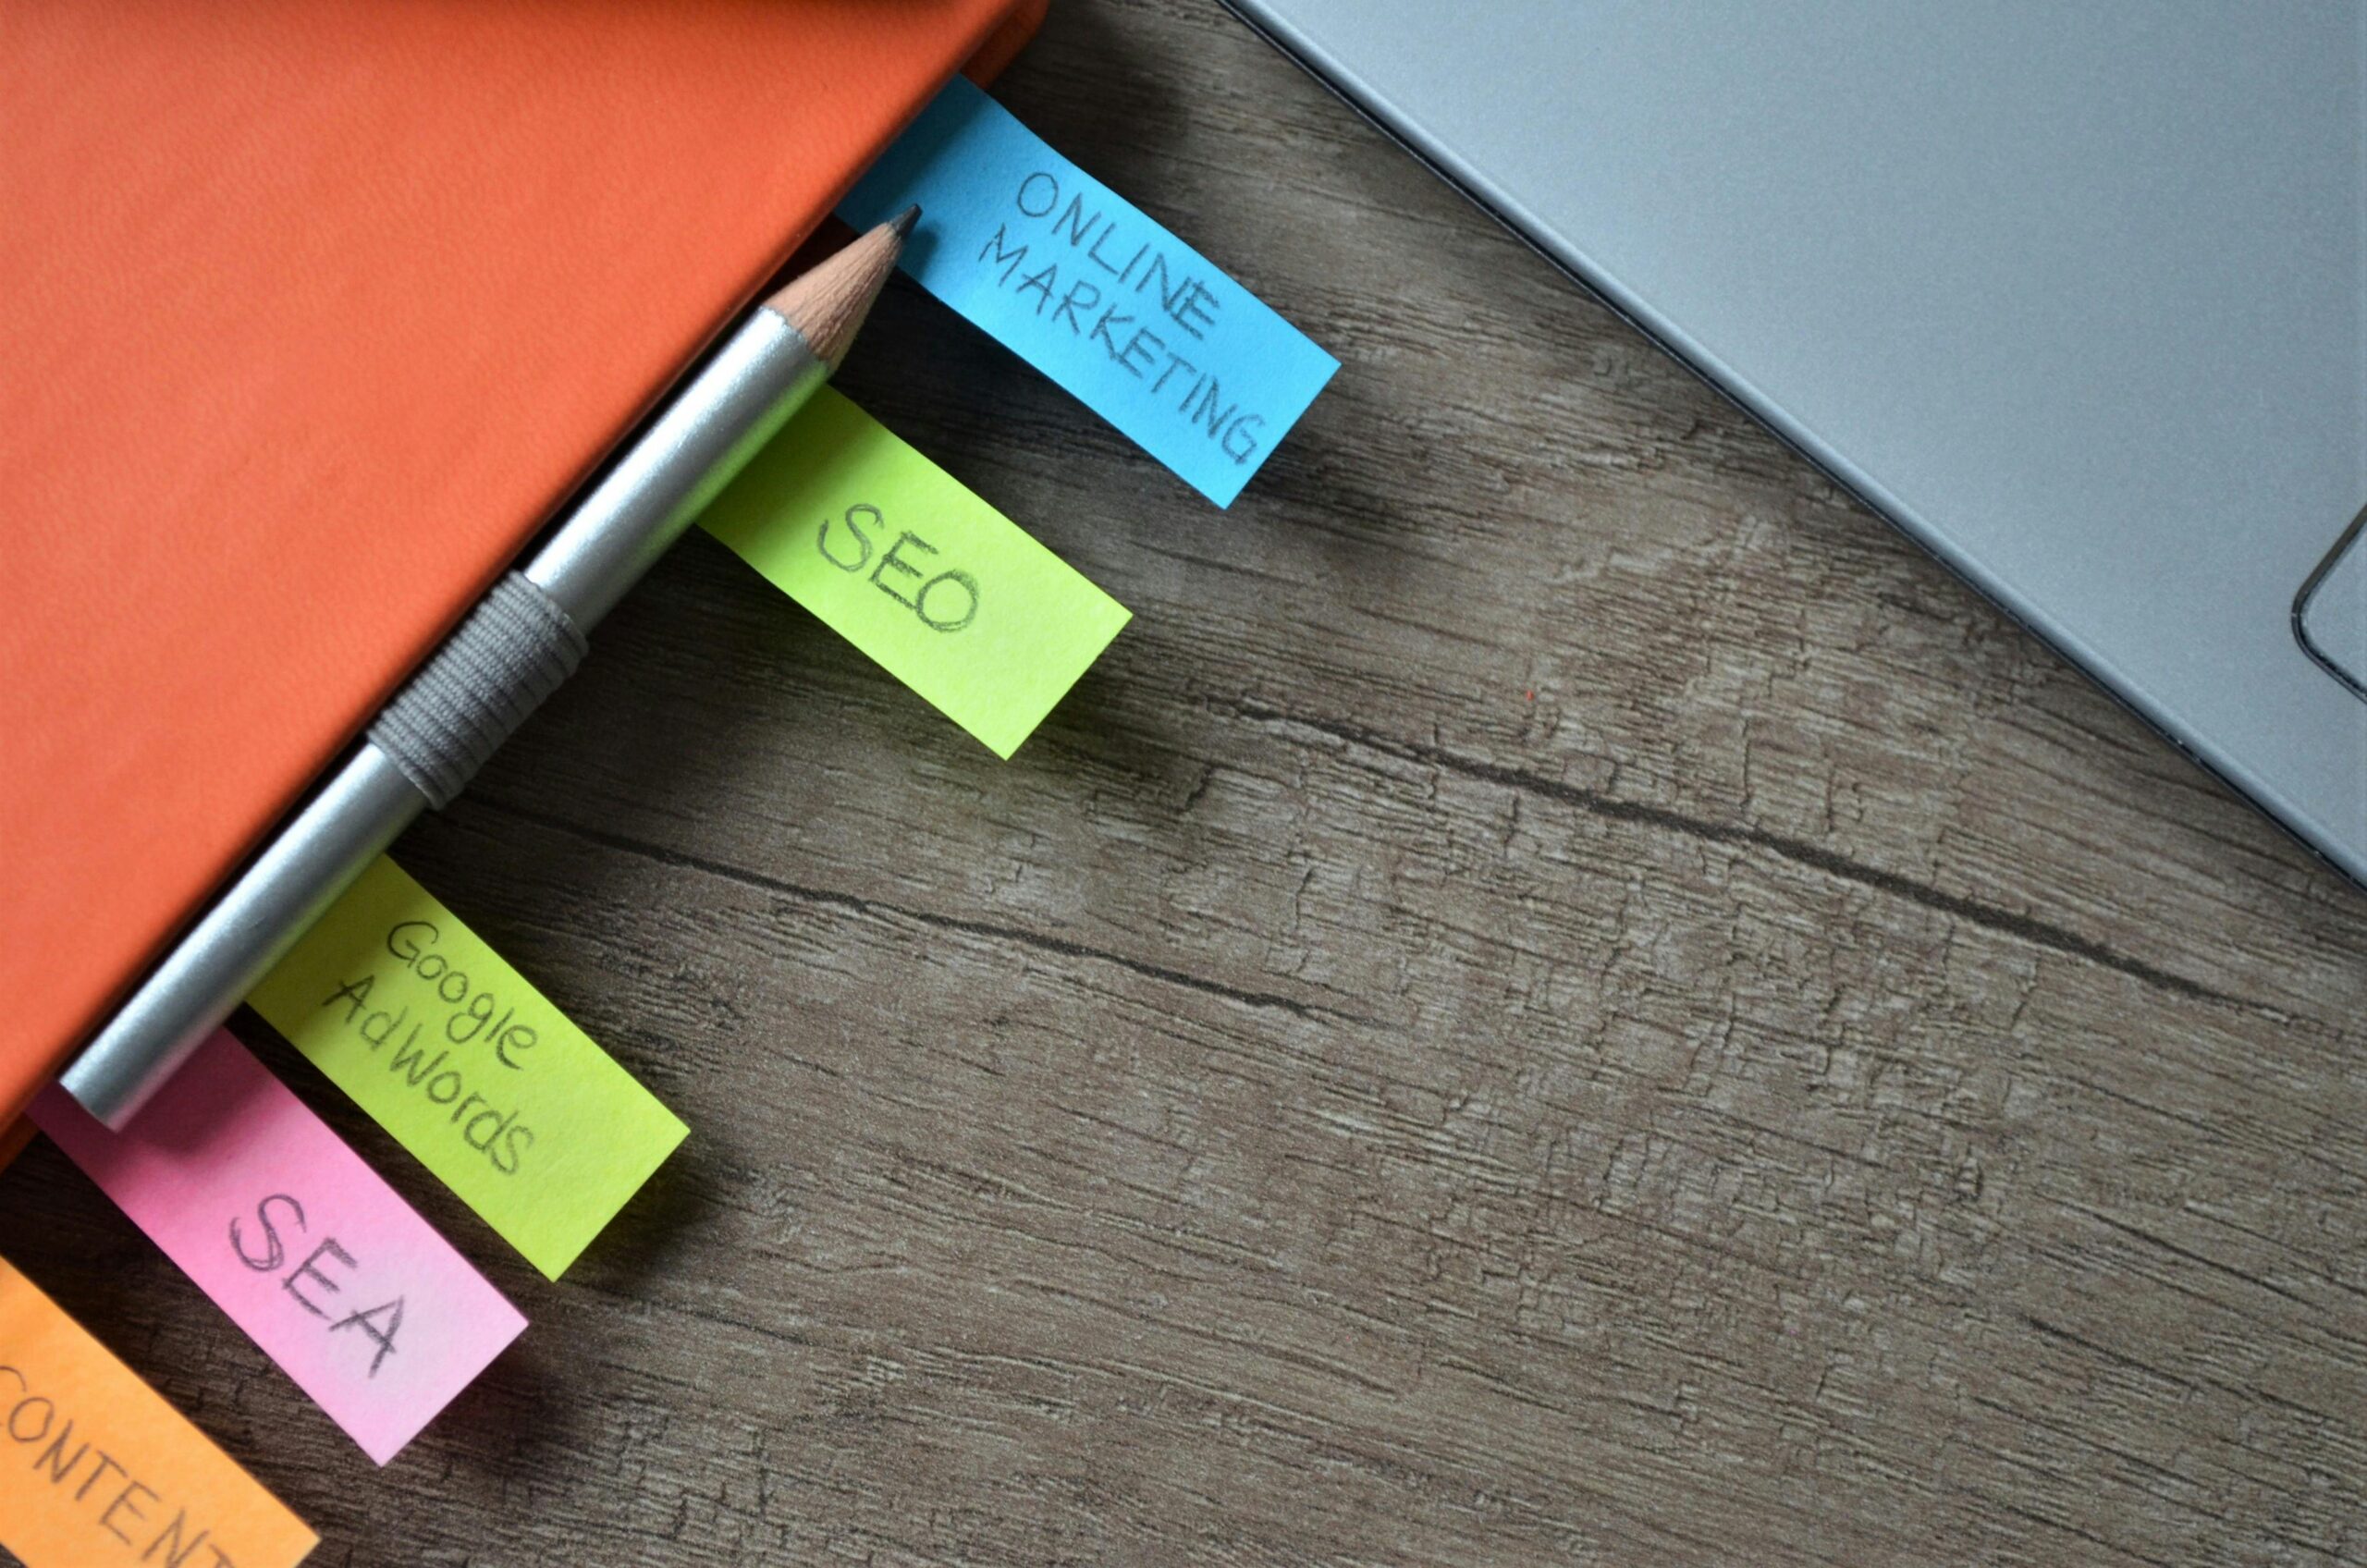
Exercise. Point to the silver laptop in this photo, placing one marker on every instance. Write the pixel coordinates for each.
(2074, 294)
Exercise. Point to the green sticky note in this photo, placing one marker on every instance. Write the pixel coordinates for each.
(896, 557)
(471, 1068)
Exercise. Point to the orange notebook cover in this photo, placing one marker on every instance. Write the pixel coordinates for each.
(311, 313)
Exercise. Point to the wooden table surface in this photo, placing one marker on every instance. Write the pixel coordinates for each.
(1561, 994)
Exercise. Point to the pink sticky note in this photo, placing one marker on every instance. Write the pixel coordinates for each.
(338, 1279)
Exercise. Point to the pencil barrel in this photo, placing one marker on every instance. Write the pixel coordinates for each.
(734, 404)
(731, 406)
(345, 826)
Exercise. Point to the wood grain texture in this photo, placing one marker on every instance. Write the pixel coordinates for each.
(1562, 994)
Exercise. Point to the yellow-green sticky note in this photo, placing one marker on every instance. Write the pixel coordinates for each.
(472, 1069)
(899, 558)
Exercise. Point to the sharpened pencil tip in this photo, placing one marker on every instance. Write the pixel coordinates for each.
(827, 302)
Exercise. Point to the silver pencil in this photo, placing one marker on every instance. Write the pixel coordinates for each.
(760, 377)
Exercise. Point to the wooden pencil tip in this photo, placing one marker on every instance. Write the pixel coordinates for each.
(827, 304)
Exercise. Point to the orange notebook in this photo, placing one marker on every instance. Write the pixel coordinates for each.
(311, 313)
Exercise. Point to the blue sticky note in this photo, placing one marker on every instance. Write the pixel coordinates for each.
(1154, 338)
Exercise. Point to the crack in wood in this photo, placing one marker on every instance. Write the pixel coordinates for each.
(1989, 917)
(854, 902)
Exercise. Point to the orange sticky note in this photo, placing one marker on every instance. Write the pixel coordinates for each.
(97, 1469)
